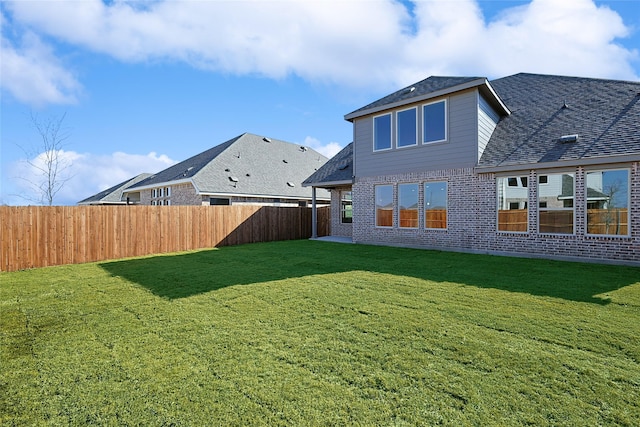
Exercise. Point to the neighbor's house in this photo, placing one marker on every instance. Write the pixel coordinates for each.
(534, 165)
(115, 195)
(248, 169)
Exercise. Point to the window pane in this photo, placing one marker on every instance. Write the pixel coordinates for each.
(512, 204)
(434, 127)
(384, 206)
(382, 132)
(608, 202)
(408, 205)
(435, 205)
(407, 128)
(346, 208)
(555, 204)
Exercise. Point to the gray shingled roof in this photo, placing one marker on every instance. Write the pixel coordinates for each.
(113, 195)
(605, 114)
(338, 170)
(246, 165)
(416, 91)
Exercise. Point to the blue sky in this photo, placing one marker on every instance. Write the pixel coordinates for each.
(145, 84)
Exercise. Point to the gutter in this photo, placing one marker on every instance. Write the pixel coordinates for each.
(591, 161)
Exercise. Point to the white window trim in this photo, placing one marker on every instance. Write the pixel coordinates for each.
(343, 205)
(424, 207)
(375, 205)
(628, 170)
(518, 178)
(373, 124)
(446, 122)
(538, 209)
(398, 128)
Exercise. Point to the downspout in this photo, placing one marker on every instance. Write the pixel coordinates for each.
(314, 214)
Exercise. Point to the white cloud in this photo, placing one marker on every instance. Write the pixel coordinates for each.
(328, 150)
(32, 74)
(349, 43)
(85, 174)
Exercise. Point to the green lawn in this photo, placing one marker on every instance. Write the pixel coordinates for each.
(316, 333)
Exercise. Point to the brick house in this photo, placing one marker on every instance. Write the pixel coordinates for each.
(115, 195)
(248, 169)
(528, 165)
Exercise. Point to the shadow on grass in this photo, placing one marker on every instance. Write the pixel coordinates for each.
(184, 275)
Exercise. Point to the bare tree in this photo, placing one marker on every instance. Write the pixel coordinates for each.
(47, 159)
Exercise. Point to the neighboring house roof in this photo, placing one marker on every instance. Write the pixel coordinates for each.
(337, 171)
(605, 114)
(247, 165)
(113, 195)
(428, 88)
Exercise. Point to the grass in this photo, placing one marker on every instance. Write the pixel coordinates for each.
(316, 333)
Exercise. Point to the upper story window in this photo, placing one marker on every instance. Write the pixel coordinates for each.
(434, 122)
(407, 128)
(382, 132)
(608, 202)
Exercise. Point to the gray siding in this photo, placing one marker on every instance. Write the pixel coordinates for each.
(487, 121)
(460, 149)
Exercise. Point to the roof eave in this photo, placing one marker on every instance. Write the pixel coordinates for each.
(157, 184)
(328, 183)
(258, 196)
(588, 161)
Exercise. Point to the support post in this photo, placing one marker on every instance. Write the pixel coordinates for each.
(314, 214)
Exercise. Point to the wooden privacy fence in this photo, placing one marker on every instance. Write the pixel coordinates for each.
(38, 236)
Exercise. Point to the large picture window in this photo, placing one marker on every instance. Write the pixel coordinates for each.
(407, 128)
(434, 118)
(346, 207)
(408, 205)
(513, 212)
(435, 205)
(382, 132)
(608, 202)
(384, 205)
(556, 203)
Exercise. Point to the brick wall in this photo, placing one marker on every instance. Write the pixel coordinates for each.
(472, 217)
(337, 227)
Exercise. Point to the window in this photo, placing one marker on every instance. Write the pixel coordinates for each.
(153, 193)
(408, 205)
(159, 192)
(434, 119)
(608, 202)
(215, 201)
(435, 205)
(346, 207)
(513, 214)
(382, 132)
(384, 205)
(167, 192)
(555, 203)
(407, 128)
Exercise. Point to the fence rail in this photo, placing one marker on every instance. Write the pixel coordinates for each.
(37, 236)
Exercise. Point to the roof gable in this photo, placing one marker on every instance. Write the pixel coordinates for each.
(431, 87)
(113, 194)
(338, 170)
